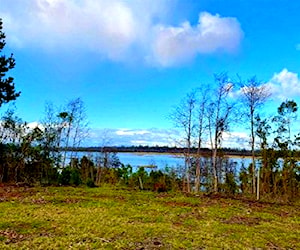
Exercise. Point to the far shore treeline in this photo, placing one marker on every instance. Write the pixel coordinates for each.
(206, 152)
(47, 153)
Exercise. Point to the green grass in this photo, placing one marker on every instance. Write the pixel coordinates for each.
(111, 218)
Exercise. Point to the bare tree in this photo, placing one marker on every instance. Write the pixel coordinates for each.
(202, 102)
(254, 94)
(52, 132)
(64, 127)
(105, 159)
(183, 116)
(80, 123)
(75, 124)
(219, 113)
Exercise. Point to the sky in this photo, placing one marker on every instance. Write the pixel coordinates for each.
(132, 61)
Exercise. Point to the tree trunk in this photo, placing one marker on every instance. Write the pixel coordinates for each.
(98, 175)
(187, 173)
(252, 150)
(198, 172)
(215, 176)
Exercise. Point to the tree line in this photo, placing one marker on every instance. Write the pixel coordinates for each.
(208, 114)
(32, 154)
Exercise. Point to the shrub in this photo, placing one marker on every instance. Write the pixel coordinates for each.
(75, 177)
(90, 183)
(65, 176)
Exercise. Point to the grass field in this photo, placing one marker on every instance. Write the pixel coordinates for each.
(115, 218)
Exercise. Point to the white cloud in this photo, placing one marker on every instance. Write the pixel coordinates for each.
(131, 132)
(235, 140)
(174, 45)
(108, 27)
(116, 30)
(128, 137)
(32, 125)
(285, 85)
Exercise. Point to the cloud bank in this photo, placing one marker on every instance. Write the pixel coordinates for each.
(284, 85)
(156, 137)
(117, 30)
(129, 137)
(212, 33)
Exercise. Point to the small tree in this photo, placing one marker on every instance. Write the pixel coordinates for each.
(202, 103)
(183, 117)
(52, 134)
(254, 94)
(75, 125)
(64, 129)
(219, 112)
(287, 112)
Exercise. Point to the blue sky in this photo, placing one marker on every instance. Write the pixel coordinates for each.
(131, 61)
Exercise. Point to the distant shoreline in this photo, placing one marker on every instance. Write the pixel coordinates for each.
(162, 150)
(182, 154)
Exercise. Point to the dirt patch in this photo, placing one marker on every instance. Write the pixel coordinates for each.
(11, 236)
(280, 210)
(164, 195)
(39, 201)
(286, 214)
(203, 202)
(11, 192)
(273, 246)
(248, 221)
(73, 201)
(152, 243)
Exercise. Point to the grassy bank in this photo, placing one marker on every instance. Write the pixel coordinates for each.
(110, 218)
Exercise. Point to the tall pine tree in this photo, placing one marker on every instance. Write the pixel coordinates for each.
(7, 86)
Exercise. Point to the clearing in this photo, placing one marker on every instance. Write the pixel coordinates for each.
(117, 218)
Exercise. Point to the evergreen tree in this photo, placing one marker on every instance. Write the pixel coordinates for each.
(7, 87)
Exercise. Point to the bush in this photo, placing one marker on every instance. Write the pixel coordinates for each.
(90, 183)
(75, 177)
(230, 184)
(69, 176)
(65, 176)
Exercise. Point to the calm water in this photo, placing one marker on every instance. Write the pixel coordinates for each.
(143, 159)
(159, 160)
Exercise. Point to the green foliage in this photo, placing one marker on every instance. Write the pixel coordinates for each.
(87, 169)
(231, 186)
(90, 183)
(75, 177)
(262, 130)
(65, 176)
(139, 179)
(158, 181)
(279, 163)
(7, 87)
(69, 176)
(245, 178)
(124, 173)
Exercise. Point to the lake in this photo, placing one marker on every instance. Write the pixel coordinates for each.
(143, 159)
(161, 160)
